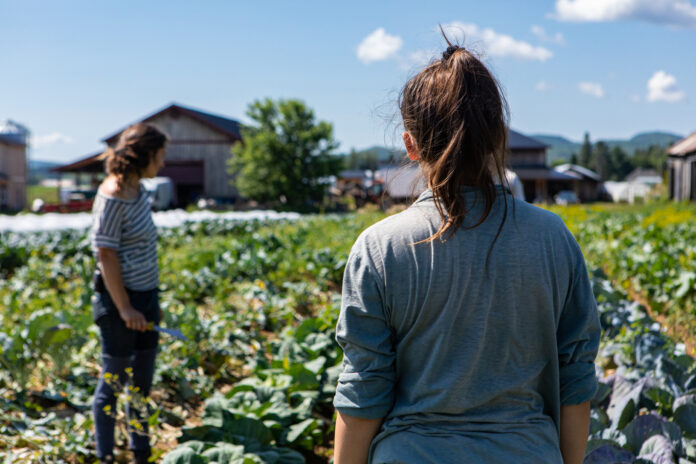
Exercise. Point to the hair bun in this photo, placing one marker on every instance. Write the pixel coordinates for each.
(450, 51)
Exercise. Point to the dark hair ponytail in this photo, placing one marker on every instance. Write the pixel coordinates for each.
(135, 149)
(458, 116)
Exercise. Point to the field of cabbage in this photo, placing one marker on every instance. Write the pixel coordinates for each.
(258, 302)
(649, 251)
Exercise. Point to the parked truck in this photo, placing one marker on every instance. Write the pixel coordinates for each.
(161, 191)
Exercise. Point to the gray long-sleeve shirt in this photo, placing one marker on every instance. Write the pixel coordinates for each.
(465, 364)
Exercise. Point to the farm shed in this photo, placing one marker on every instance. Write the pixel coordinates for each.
(644, 176)
(681, 166)
(586, 183)
(13, 166)
(199, 148)
(353, 177)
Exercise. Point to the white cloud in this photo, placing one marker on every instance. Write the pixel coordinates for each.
(591, 88)
(495, 44)
(541, 34)
(378, 46)
(41, 141)
(542, 86)
(671, 12)
(663, 87)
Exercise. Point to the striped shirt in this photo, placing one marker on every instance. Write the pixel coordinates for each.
(127, 227)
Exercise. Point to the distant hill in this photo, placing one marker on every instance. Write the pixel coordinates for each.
(372, 157)
(562, 148)
(38, 165)
(385, 154)
(559, 147)
(39, 170)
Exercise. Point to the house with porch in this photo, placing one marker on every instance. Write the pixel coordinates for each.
(527, 159)
(586, 183)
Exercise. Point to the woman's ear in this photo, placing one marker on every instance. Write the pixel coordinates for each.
(410, 144)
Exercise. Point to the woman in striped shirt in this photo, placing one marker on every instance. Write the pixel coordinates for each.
(124, 240)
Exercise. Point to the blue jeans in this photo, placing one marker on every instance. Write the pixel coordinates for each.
(124, 348)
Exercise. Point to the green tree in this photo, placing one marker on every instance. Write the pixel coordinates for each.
(585, 158)
(620, 164)
(366, 159)
(284, 156)
(654, 157)
(600, 159)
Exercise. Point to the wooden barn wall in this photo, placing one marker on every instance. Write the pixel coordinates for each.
(215, 157)
(192, 140)
(185, 127)
(13, 164)
(681, 177)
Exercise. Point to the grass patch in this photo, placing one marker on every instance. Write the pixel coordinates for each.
(47, 194)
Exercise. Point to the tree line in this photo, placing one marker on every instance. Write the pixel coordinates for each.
(614, 163)
(286, 156)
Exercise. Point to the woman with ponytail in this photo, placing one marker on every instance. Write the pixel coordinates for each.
(468, 324)
(124, 240)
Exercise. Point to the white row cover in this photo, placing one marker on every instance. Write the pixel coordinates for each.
(171, 218)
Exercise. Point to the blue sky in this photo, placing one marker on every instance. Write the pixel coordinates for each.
(76, 71)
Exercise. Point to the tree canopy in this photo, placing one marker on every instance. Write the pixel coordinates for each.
(616, 164)
(285, 156)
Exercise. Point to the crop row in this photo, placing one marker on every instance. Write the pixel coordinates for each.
(650, 250)
(258, 302)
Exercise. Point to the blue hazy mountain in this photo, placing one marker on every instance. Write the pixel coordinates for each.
(562, 148)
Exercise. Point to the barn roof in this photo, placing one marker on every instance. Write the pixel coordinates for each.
(582, 171)
(90, 163)
(684, 146)
(541, 172)
(222, 124)
(517, 141)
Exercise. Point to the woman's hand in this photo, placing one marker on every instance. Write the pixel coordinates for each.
(111, 272)
(133, 318)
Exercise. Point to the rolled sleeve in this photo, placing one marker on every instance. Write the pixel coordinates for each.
(108, 220)
(366, 385)
(578, 339)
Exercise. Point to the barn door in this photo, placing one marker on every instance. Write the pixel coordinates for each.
(671, 183)
(188, 178)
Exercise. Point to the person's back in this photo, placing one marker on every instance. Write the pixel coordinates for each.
(475, 347)
(468, 324)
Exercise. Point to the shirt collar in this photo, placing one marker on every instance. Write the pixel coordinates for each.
(466, 190)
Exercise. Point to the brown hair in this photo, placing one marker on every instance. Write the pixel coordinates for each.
(457, 114)
(135, 149)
